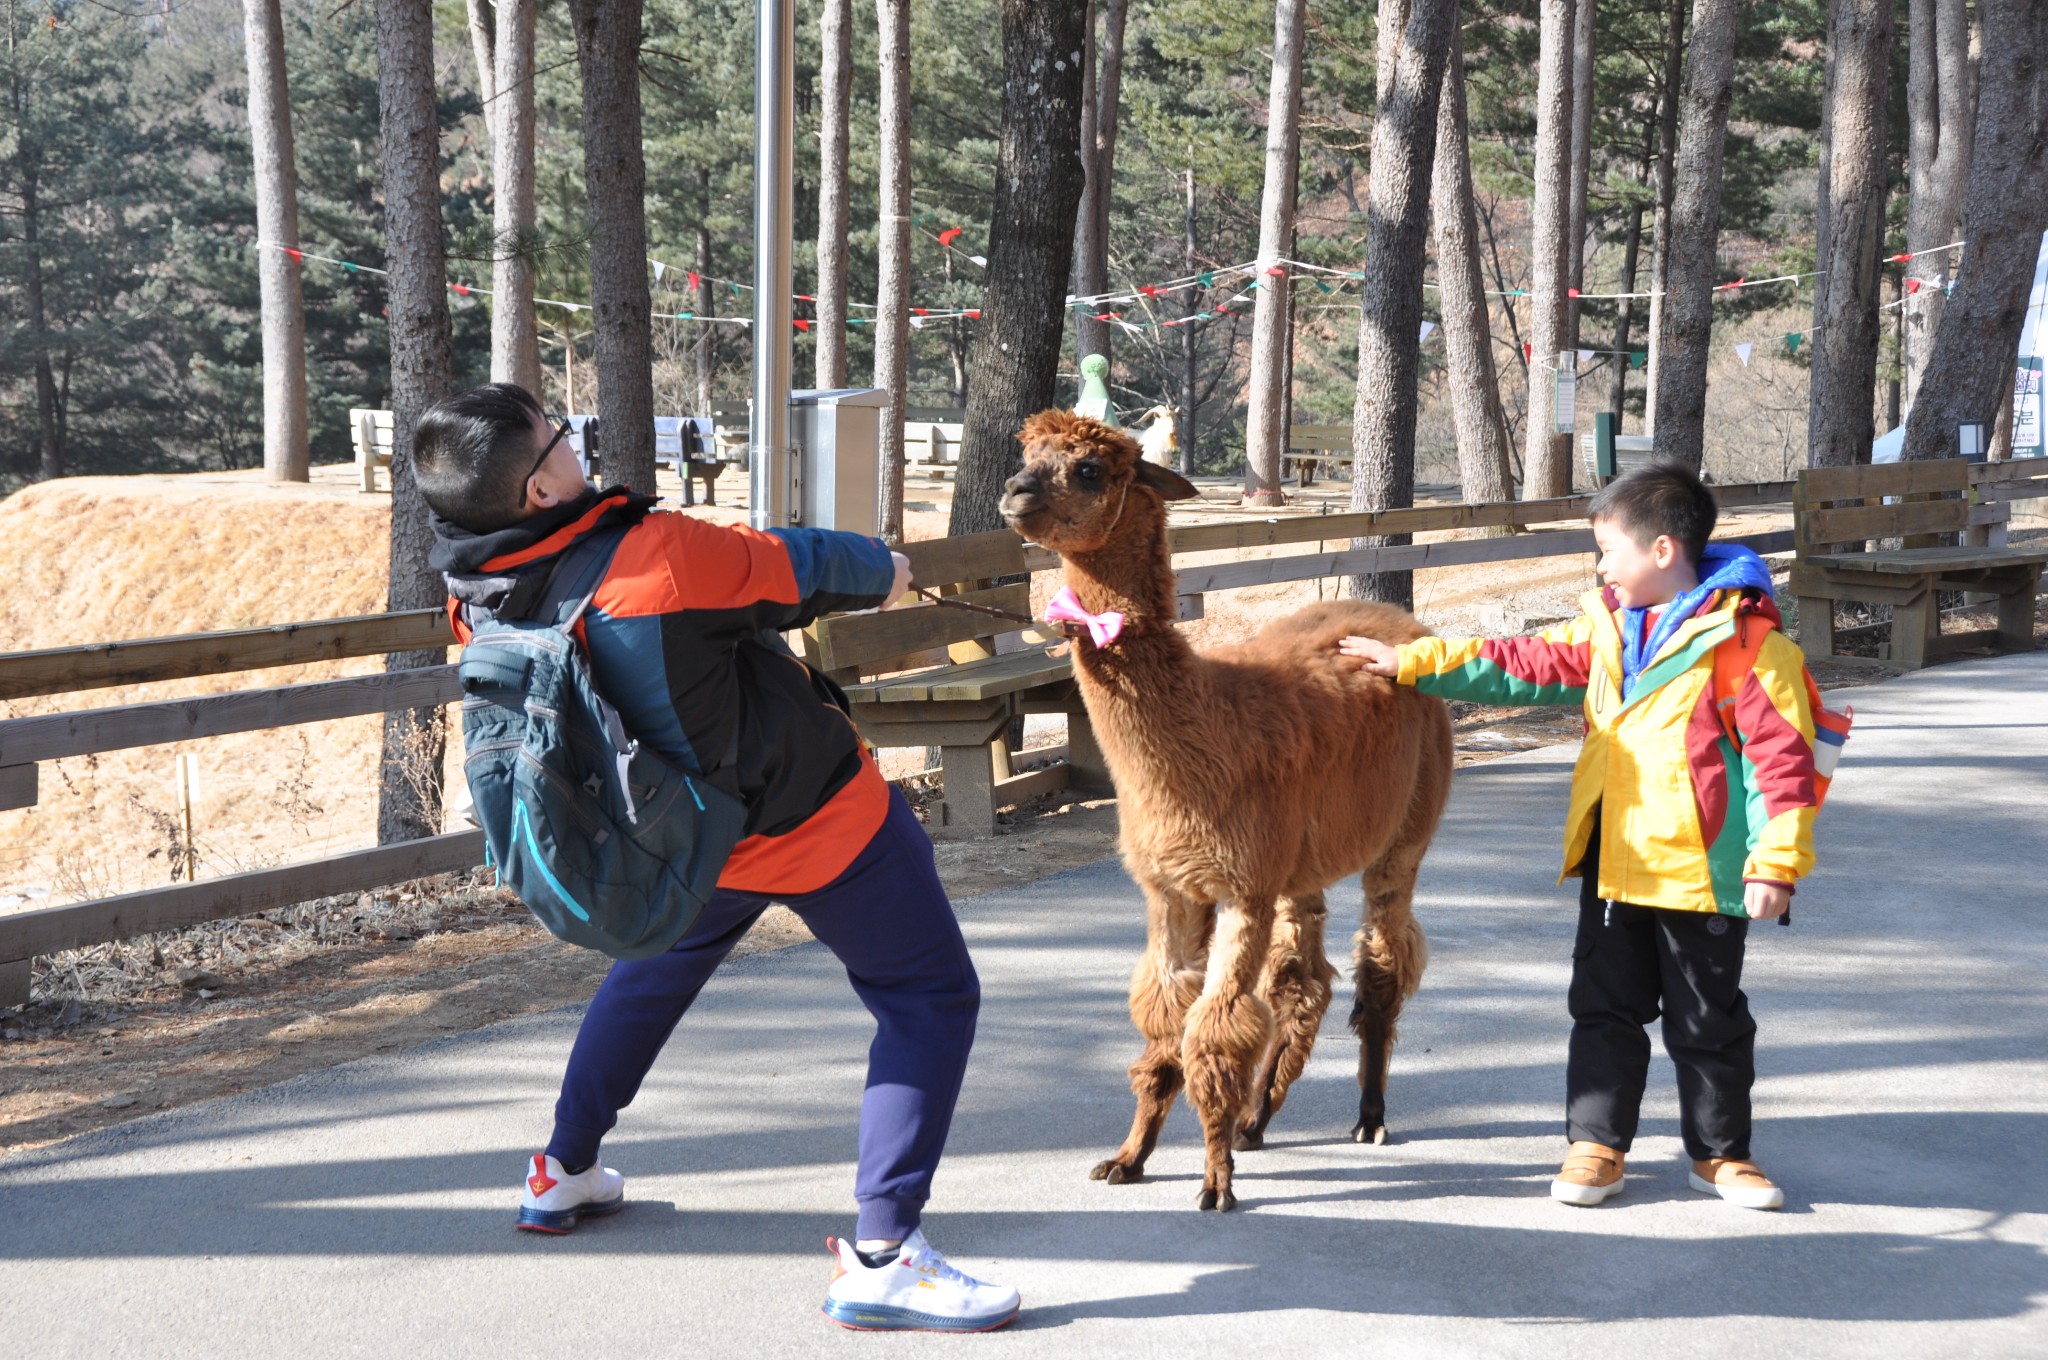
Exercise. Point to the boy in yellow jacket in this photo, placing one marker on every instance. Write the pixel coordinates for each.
(1691, 814)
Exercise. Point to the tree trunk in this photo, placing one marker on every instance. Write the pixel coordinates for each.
(892, 293)
(1941, 106)
(615, 182)
(483, 43)
(1109, 88)
(1090, 336)
(49, 419)
(422, 372)
(1102, 62)
(1547, 456)
(1485, 460)
(1414, 47)
(835, 98)
(706, 332)
(1624, 315)
(515, 339)
(1695, 234)
(1265, 441)
(1667, 159)
(1845, 338)
(1968, 372)
(1582, 157)
(1030, 252)
(277, 226)
(1191, 307)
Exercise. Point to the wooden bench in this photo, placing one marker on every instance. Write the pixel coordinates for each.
(370, 433)
(1309, 445)
(692, 448)
(924, 675)
(931, 448)
(1838, 511)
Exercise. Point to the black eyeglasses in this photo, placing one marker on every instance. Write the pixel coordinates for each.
(562, 432)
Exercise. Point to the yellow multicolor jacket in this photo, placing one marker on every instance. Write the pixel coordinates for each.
(1686, 815)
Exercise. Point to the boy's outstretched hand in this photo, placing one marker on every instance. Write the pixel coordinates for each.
(1379, 658)
(1765, 900)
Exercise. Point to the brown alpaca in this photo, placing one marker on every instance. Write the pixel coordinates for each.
(1249, 779)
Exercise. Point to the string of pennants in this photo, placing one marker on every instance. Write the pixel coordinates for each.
(1244, 279)
(920, 316)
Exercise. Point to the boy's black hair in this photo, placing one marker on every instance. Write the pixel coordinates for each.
(472, 453)
(1664, 497)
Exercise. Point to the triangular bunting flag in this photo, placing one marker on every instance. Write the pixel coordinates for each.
(802, 324)
(1637, 358)
(1912, 287)
(694, 280)
(1427, 327)
(1585, 356)
(659, 270)
(917, 323)
(1792, 342)
(981, 260)
(1742, 352)
(949, 236)
(1207, 278)
(1528, 352)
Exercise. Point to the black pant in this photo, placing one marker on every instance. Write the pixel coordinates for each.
(1626, 961)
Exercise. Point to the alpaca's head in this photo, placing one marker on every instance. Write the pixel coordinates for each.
(1083, 482)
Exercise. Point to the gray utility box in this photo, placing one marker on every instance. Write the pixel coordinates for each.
(835, 439)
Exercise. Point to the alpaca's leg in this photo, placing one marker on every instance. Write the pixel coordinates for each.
(1163, 985)
(1390, 953)
(1296, 984)
(1228, 1028)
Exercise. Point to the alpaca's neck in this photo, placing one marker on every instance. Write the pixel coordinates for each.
(1146, 689)
(1133, 575)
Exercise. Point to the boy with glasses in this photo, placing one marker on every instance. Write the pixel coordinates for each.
(683, 639)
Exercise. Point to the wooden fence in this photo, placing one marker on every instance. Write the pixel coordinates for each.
(25, 742)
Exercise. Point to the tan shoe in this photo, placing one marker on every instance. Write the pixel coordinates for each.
(1740, 1183)
(1591, 1172)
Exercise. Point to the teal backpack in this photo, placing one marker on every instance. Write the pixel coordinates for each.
(609, 844)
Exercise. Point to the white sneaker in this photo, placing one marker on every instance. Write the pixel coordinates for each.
(555, 1200)
(916, 1289)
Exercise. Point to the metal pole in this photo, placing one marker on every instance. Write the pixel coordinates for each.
(774, 158)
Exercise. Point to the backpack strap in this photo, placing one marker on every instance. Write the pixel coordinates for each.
(578, 572)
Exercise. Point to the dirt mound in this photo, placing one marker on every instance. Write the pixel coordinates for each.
(105, 558)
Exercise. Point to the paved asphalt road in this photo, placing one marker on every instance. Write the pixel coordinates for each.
(1903, 1102)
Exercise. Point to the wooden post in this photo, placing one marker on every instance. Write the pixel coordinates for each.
(17, 786)
(2016, 614)
(969, 810)
(14, 980)
(1088, 770)
(188, 780)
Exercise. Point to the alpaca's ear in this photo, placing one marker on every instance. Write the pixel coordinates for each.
(1167, 482)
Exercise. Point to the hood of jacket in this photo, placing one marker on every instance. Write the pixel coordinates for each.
(506, 570)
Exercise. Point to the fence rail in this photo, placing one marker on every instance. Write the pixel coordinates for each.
(65, 670)
(26, 741)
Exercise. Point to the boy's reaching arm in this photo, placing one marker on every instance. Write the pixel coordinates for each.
(748, 580)
(1774, 716)
(1550, 668)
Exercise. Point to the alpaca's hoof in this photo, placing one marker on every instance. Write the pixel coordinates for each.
(1116, 1173)
(1222, 1201)
(1250, 1140)
(1376, 1135)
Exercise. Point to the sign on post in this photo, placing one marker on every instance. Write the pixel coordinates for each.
(1567, 403)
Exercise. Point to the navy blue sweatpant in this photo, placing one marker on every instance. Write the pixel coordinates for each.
(887, 919)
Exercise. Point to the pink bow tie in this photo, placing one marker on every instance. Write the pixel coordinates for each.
(1065, 607)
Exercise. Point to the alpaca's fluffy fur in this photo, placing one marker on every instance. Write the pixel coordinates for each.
(1249, 778)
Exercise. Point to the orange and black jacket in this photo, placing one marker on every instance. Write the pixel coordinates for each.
(683, 640)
